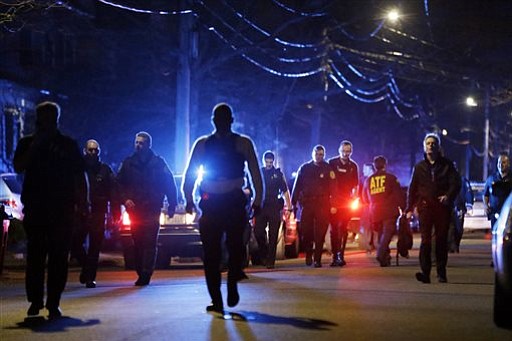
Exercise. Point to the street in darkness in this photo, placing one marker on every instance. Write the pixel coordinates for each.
(361, 301)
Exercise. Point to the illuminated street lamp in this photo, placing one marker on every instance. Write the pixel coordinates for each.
(471, 102)
(393, 15)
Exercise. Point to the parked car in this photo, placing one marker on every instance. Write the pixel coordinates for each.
(476, 217)
(290, 237)
(178, 236)
(10, 192)
(502, 259)
(11, 210)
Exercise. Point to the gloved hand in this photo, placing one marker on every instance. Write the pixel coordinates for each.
(190, 207)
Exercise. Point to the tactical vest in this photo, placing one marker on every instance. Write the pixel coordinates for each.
(223, 161)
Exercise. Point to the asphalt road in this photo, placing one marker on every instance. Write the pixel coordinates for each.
(292, 302)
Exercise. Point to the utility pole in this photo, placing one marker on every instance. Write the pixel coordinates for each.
(486, 133)
(316, 124)
(182, 128)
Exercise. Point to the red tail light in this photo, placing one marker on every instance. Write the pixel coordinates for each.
(125, 221)
(126, 218)
(9, 202)
(354, 205)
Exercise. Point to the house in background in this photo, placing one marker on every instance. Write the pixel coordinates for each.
(17, 106)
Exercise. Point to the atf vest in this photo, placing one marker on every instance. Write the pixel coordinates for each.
(223, 161)
(383, 192)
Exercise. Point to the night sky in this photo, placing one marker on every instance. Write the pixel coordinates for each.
(282, 66)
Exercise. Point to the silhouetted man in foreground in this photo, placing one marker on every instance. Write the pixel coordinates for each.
(54, 190)
(223, 157)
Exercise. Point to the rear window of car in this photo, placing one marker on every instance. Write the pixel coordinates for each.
(13, 182)
(478, 190)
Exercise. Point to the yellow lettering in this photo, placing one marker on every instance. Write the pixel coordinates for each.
(377, 184)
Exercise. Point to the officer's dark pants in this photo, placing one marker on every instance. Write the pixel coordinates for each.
(88, 257)
(48, 238)
(314, 223)
(270, 215)
(145, 238)
(339, 234)
(222, 214)
(386, 232)
(438, 216)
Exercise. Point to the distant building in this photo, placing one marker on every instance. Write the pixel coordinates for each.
(17, 106)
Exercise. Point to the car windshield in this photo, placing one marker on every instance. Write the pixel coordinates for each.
(13, 183)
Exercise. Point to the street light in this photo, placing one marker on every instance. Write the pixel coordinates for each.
(471, 102)
(393, 15)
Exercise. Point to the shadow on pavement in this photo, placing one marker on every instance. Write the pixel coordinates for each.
(299, 322)
(42, 325)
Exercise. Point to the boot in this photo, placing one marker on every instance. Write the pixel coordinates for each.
(336, 259)
(309, 258)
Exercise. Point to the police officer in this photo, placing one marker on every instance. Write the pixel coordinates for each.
(434, 185)
(347, 181)
(102, 192)
(275, 189)
(463, 201)
(144, 179)
(497, 188)
(312, 190)
(54, 191)
(382, 192)
(223, 156)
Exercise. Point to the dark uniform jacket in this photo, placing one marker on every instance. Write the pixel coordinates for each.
(347, 179)
(275, 185)
(314, 184)
(49, 184)
(146, 182)
(382, 192)
(497, 188)
(430, 181)
(102, 188)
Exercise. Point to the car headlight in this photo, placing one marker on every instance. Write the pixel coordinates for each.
(190, 218)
